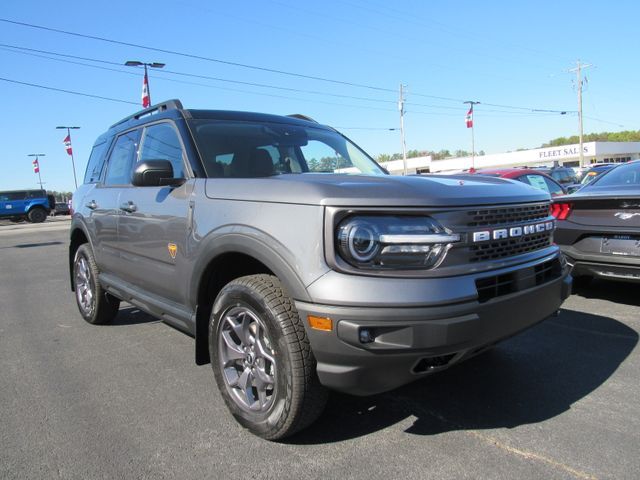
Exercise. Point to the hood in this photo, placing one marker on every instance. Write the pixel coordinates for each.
(375, 191)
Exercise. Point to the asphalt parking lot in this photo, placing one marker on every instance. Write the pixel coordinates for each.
(127, 401)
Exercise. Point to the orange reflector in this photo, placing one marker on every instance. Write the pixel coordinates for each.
(320, 323)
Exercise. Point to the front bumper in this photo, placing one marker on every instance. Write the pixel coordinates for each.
(405, 342)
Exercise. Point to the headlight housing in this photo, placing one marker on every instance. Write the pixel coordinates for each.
(386, 242)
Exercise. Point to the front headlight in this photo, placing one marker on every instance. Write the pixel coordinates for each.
(392, 242)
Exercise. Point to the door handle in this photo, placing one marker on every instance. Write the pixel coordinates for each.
(128, 207)
(92, 205)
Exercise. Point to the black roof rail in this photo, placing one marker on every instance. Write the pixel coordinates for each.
(302, 117)
(174, 104)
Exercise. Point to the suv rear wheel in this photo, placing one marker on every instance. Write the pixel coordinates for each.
(262, 360)
(95, 305)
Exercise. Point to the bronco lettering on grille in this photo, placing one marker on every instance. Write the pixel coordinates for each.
(513, 232)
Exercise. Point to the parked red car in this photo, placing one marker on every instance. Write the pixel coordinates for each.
(529, 176)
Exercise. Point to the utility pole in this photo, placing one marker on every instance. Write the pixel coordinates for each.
(470, 121)
(579, 82)
(70, 148)
(404, 145)
(37, 163)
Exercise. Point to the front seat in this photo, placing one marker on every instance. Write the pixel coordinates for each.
(260, 163)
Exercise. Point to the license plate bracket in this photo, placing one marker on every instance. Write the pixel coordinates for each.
(623, 245)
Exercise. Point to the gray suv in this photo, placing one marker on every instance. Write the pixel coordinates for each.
(297, 263)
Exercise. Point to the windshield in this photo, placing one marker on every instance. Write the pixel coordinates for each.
(628, 174)
(245, 150)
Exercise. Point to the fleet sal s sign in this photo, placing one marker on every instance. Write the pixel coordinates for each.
(563, 152)
(513, 232)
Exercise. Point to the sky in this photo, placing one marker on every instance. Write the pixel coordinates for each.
(339, 62)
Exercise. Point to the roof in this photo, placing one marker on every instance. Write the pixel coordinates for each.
(174, 109)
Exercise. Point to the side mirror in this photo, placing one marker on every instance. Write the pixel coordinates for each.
(155, 173)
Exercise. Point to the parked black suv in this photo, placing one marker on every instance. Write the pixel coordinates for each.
(298, 263)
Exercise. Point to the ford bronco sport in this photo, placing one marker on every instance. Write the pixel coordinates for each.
(297, 263)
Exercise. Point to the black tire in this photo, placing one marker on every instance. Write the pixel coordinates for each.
(96, 306)
(37, 215)
(296, 398)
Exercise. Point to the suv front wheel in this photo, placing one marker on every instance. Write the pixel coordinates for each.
(95, 305)
(262, 360)
(37, 215)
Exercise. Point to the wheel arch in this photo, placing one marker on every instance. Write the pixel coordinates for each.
(234, 256)
(78, 237)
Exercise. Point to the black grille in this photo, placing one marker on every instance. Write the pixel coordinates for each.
(507, 215)
(509, 247)
(499, 285)
(495, 286)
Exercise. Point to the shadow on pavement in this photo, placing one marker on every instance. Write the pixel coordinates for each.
(131, 316)
(41, 244)
(527, 379)
(625, 293)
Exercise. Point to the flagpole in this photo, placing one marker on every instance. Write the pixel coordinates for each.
(38, 164)
(146, 79)
(473, 149)
(73, 162)
(473, 142)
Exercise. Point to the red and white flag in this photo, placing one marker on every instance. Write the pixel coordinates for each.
(67, 144)
(469, 117)
(146, 99)
(36, 166)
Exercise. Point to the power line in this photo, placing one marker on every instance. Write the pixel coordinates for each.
(603, 121)
(277, 87)
(198, 57)
(72, 92)
(193, 75)
(457, 32)
(226, 62)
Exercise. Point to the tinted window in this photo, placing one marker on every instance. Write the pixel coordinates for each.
(161, 142)
(96, 163)
(628, 174)
(121, 159)
(554, 188)
(564, 175)
(35, 194)
(11, 196)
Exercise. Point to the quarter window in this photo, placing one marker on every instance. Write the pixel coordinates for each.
(96, 163)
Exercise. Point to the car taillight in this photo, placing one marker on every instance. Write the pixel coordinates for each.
(561, 211)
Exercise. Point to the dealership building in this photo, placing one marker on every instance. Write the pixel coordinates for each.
(565, 155)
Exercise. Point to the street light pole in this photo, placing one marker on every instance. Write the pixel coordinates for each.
(73, 163)
(136, 63)
(38, 163)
